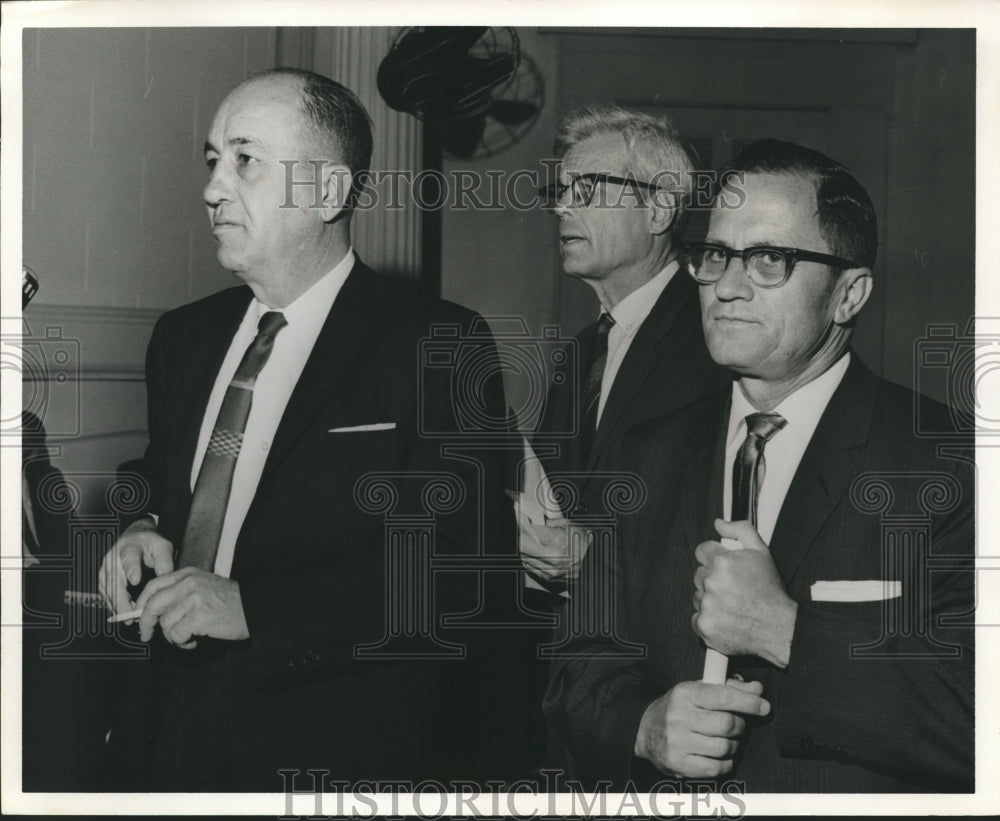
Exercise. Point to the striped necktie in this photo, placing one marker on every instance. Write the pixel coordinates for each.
(215, 478)
(748, 471)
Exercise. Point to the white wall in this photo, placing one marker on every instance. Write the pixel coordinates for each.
(897, 107)
(114, 224)
(506, 262)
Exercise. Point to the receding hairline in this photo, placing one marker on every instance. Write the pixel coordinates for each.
(811, 180)
(291, 81)
(314, 136)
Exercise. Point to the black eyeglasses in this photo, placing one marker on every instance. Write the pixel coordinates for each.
(582, 188)
(767, 266)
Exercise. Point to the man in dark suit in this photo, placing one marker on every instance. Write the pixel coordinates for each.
(624, 186)
(293, 431)
(847, 613)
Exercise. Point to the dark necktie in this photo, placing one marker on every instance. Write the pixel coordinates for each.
(592, 387)
(215, 478)
(748, 470)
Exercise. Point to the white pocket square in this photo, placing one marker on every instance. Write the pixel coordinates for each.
(856, 591)
(363, 428)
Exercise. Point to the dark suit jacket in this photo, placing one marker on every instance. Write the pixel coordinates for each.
(311, 560)
(871, 700)
(667, 366)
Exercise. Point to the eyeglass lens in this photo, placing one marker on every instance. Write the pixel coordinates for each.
(765, 265)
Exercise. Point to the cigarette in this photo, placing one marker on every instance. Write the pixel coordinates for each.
(131, 614)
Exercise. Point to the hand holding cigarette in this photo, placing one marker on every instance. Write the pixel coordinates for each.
(119, 617)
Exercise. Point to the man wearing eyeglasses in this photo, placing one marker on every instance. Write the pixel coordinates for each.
(621, 200)
(850, 661)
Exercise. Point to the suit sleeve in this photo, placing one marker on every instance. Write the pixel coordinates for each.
(598, 687)
(891, 687)
(596, 695)
(157, 392)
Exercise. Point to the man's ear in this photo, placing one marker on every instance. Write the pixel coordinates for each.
(337, 182)
(854, 288)
(663, 209)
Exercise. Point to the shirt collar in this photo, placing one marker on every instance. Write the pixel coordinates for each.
(306, 315)
(631, 312)
(801, 409)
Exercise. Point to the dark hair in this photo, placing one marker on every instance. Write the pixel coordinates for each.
(338, 116)
(844, 210)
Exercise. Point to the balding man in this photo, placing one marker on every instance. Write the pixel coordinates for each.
(268, 405)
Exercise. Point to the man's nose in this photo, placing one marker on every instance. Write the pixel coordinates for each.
(219, 185)
(566, 203)
(734, 282)
(566, 200)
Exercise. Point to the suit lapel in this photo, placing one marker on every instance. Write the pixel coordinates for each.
(700, 498)
(567, 408)
(343, 335)
(827, 468)
(636, 367)
(640, 360)
(682, 511)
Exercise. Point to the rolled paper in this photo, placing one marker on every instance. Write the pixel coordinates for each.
(717, 664)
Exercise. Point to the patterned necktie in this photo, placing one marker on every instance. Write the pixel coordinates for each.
(592, 387)
(215, 478)
(748, 471)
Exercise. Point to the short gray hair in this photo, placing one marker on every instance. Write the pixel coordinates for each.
(653, 148)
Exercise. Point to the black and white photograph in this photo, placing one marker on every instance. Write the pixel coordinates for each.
(528, 409)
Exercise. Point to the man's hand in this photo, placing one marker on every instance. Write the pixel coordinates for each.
(547, 551)
(139, 545)
(190, 603)
(693, 730)
(741, 607)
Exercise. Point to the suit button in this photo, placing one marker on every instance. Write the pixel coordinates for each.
(805, 742)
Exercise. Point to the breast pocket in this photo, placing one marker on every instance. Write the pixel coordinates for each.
(358, 449)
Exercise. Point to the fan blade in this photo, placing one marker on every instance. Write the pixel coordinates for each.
(435, 47)
(423, 62)
(431, 73)
(512, 112)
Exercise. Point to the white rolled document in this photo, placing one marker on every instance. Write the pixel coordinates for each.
(536, 499)
(535, 502)
(716, 667)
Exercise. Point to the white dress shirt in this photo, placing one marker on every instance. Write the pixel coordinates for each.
(629, 314)
(784, 450)
(274, 386)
